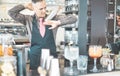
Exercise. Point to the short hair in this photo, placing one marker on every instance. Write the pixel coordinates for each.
(35, 1)
(118, 12)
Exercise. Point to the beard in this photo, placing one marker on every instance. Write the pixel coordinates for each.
(118, 23)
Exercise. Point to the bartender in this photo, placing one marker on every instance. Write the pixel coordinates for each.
(41, 32)
(116, 45)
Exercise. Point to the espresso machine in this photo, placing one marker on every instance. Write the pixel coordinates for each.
(18, 31)
(20, 46)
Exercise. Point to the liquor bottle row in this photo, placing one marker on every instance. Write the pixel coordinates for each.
(71, 5)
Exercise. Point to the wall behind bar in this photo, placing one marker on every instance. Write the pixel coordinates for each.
(5, 5)
(98, 21)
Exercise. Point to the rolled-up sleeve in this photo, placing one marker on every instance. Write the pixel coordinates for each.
(16, 15)
(66, 19)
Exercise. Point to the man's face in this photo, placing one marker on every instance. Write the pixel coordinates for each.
(40, 9)
(118, 20)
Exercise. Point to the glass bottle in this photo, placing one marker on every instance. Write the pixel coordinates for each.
(117, 61)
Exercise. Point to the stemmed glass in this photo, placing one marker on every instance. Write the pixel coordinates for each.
(95, 51)
(71, 53)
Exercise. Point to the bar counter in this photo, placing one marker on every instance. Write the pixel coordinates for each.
(113, 73)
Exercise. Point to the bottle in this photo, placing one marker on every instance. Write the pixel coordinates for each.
(109, 67)
(74, 37)
(117, 61)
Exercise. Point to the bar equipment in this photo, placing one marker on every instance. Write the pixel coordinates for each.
(21, 60)
(8, 62)
(117, 61)
(45, 53)
(8, 66)
(6, 42)
(18, 31)
(54, 70)
(19, 49)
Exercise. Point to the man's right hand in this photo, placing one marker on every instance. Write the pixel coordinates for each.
(29, 6)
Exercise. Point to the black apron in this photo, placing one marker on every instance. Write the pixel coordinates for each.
(38, 42)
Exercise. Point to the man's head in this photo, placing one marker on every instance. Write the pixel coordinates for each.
(118, 20)
(39, 7)
(118, 17)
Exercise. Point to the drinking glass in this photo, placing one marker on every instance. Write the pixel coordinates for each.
(95, 51)
(104, 60)
(71, 53)
(82, 63)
